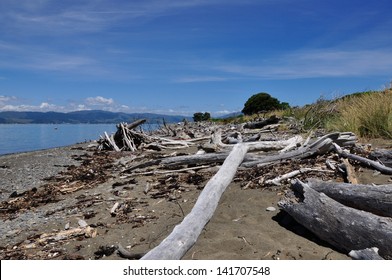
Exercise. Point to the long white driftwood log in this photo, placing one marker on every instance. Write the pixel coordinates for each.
(374, 164)
(185, 235)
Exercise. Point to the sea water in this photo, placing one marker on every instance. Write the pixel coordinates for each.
(15, 138)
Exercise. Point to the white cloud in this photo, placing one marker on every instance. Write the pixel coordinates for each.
(99, 101)
(50, 107)
(4, 99)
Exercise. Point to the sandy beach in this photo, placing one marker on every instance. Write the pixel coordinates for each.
(39, 223)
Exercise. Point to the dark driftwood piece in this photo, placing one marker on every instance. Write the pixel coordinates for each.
(374, 199)
(185, 235)
(384, 156)
(124, 253)
(343, 227)
(263, 123)
(370, 163)
(366, 254)
(319, 147)
(125, 138)
(136, 124)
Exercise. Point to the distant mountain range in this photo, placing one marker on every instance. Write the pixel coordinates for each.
(93, 117)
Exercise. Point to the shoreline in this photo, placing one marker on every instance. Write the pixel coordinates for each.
(83, 186)
(47, 149)
(24, 170)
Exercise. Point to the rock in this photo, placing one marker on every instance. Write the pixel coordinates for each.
(271, 209)
(82, 224)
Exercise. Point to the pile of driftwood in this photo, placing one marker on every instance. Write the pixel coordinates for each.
(353, 218)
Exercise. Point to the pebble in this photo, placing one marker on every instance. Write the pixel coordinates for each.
(271, 209)
(82, 224)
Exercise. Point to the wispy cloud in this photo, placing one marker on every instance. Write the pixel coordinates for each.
(89, 15)
(315, 64)
(200, 79)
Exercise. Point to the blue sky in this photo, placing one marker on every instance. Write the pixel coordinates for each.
(181, 57)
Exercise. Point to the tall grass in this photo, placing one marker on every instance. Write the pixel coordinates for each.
(368, 115)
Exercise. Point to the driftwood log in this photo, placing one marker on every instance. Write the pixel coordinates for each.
(185, 235)
(278, 180)
(202, 159)
(343, 227)
(374, 199)
(369, 163)
(124, 138)
(366, 254)
(263, 123)
(384, 156)
(319, 147)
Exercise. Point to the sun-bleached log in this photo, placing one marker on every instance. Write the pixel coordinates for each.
(374, 199)
(210, 158)
(343, 227)
(185, 235)
(274, 145)
(319, 147)
(370, 163)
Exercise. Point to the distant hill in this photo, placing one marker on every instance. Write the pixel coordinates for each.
(93, 117)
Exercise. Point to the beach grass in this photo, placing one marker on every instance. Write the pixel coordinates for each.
(367, 114)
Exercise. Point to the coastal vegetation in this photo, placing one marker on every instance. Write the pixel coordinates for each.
(200, 117)
(367, 114)
(263, 102)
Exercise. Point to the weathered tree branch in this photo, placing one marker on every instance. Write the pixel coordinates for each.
(370, 163)
(319, 147)
(185, 235)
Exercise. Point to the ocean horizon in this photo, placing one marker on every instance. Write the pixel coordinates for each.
(18, 138)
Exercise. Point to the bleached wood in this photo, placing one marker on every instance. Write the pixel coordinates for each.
(112, 142)
(371, 163)
(278, 180)
(319, 147)
(184, 235)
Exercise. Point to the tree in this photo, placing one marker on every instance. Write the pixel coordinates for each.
(262, 102)
(199, 117)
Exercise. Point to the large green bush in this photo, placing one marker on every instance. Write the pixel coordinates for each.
(262, 102)
(200, 117)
